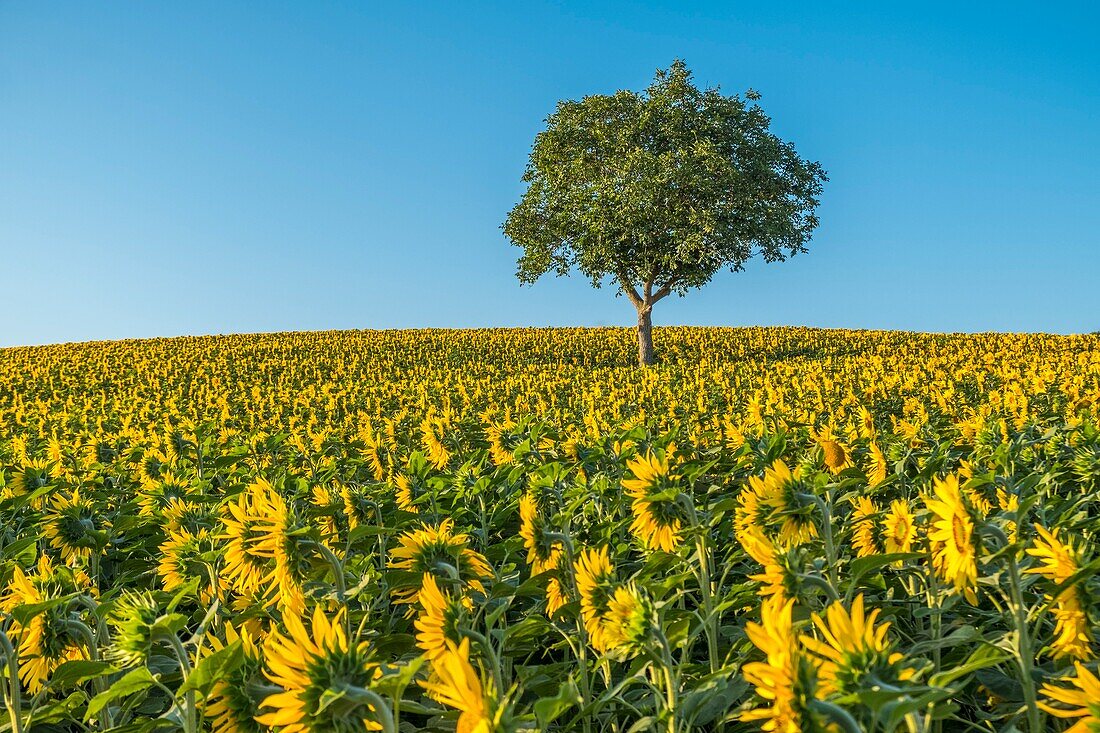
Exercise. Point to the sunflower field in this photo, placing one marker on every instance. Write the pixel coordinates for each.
(776, 529)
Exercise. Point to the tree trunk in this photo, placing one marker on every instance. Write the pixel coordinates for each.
(646, 356)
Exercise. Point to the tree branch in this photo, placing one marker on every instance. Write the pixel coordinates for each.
(630, 290)
(664, 290)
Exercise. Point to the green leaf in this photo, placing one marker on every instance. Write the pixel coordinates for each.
(80, 670)
(212, 668)
(548, 709)
(134, 681)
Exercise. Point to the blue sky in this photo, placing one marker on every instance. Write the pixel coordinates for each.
(233, 167)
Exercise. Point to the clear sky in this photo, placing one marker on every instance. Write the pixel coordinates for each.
(194, 167)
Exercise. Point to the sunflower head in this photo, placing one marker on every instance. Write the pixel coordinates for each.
(323, 678)
(655, 495)
(441, 552)
(456, 683)
(780, 502)
(953, 537)
(630, 620)
(440, 620)
(596, 586)
(852, 648)
(543, 553)
(899, 529)
(75, 526)
(233, 704)
(133, 620)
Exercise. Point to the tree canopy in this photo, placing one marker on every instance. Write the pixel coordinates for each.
(657, 191)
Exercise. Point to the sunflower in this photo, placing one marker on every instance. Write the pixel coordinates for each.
(879, 466)
(407, 490)
(899, 529)
(853, 648)
(457, 684)
(358, 506)
(435, 550)
(1060, 561)
(501, 439)
(777, 581)
(657, 512)
(865, 536)
(837, 455)
(329, 500)
(323, 678)
(188, 516)
(1080, 700)
(231, 706)
(46, 640)
(952, 537)
(785, 680)
(282, 535)
(155, 496)
(181, 558)
(74, 526)
(596, 586)
(133, 618)
(249, 557)
(779, 497)
(33, 475)
(555, 596)
(439, 620)
(629, 620)
(543, 554)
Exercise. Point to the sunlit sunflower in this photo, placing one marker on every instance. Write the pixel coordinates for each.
(785, 681)
(189, 516)
(596, 585)
(34, 474)
(283, 538)
(359, 508)
(879, 466)
(630, 619)
(501, 448)
(441, 552)
(407, 490)
(46, 640)
(777, 580)
(74, 526)
(248, 555)
(439, 620)
(780, 499)
(853, 648)
(156, 495)
(329, 500)
(457, 684)
(656, 507)
(132, 619)
(836, 454)
(1081, 699)
(181, 560)
(898, 528)
(543, 553)
(865, 532)
(312, 667)
(952, 537)
(556, 596)
(232, 705)
(1059, 562)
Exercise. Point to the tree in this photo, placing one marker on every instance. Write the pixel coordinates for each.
(658, 191)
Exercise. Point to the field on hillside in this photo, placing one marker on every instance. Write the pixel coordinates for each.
(778, 529)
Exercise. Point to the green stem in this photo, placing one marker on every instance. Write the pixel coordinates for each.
(710, 621)
(12, 693)
(1024, 653)
(190, 717)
